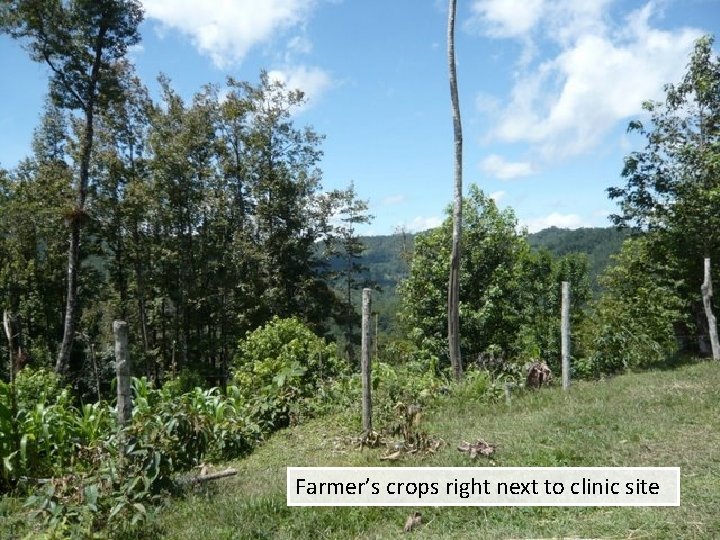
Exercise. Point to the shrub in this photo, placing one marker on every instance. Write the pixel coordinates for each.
(632, 325)
(281, 369)
(33, 386)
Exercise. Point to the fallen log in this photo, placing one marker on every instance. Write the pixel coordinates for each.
(207, 477)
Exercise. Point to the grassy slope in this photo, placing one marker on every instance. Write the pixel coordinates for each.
(662, 418)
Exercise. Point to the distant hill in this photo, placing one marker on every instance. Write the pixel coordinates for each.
(387, 257)
(598, 243)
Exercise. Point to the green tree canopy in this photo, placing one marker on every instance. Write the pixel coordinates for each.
(510, 300)
(672, 188)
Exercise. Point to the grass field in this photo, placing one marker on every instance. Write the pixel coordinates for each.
(659, 418)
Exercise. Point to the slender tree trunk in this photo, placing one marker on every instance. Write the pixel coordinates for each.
(76, 218)
(565, 335)
(454, 282)
(63, 359)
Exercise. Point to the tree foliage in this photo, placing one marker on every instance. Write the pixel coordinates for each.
(203, 223)
(82, 42)
(510, 306)
(633, 324)
(672, 189)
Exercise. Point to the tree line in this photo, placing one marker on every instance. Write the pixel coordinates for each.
(194, 221)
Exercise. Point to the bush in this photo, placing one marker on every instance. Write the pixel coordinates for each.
(281, 370)
(33, 386)
(632, 325)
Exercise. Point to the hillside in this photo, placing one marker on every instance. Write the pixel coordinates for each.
(387, 257)
(599, 243)
(603, 423)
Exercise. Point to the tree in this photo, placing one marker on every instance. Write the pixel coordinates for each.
(81, 42)
(346, 244)
(633, 323)
(453, 304)
(672, 189)
(511, 304)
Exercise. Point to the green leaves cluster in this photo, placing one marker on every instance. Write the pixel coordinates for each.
(633, 323)
(509, 303)
(203, 222)
(283, 370)
(672, 189)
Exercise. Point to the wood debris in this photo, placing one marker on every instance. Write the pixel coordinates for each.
(414, 520)
(479, 447)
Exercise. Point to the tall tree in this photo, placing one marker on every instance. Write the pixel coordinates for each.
(511, 304)
(673, 184)
(81, 42)
(32, 239)
(453, 306)
(348, 246)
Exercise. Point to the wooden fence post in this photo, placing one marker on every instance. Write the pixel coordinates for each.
(122, 371)
(7, 324)
(707, 293)
(565, 335)
(366, 363)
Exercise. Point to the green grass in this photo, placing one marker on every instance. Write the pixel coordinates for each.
(660, 418)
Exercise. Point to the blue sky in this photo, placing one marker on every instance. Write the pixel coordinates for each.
(546, 89)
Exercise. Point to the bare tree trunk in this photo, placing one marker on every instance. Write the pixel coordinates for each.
(707, 303)
(10, 333)
(78, 213)
(454, 282)
(63, 359)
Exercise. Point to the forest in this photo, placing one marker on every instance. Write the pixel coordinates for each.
(204, 225)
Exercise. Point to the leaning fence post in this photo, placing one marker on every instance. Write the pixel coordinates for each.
(366, 363)
(565, 335)
(122, 372)
(707, 294)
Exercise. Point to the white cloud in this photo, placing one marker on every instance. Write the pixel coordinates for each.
(498, 167)
(313, 81)
(226, 30)
(564, 221)
(486, 103)
(601, 74)
(393, 200)
(506, 18)
(299, 45)
(421, 223)
(497, 196)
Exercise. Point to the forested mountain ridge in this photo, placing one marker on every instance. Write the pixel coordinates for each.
(598, 243)
(386, 256)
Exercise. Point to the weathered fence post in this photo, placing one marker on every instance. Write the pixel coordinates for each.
(13, 331)
(7, 324)
(366, 363)
(565, 335)
(707, 293)
(122, 371)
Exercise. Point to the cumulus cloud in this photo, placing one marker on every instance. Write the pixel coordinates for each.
(498, 167)
(604, 69)
(497, 196)
(564, 221)
(226, 30)
(506, 18)
(313, 81)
